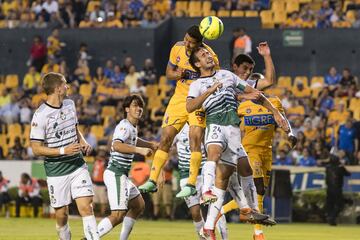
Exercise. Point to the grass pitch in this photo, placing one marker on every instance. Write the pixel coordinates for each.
(44, 229)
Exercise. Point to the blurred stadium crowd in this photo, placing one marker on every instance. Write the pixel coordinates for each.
(148, 13)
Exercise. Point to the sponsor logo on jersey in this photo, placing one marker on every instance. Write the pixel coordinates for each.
(259, 120)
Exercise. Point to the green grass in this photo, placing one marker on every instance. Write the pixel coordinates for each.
(44, 229)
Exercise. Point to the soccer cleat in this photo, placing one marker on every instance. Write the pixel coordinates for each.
(208, 197)
(207, 234)
(258, 236)
(269, 222)
(252, 216)
(149, 186)
(187, 191)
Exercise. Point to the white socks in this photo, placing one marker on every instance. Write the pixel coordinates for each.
(222, 228)
(209, 175)
(104, 227)
(63, 232)
(127, 226)
(236, 191)
(248, 186)
(198, 226)
(214, 208)
(90, 228)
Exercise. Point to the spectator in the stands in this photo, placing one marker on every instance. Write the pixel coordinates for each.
(128, 62)
(332, 79)
(356, 23)
(66, 15)
(54, 44)
(9, 113)
(50, 6)
(118, 77)
(50, 66)
(321, 153)
(348, 141)
(18, 152)
(323, 15)
(282, 159)
(109, 69)
(325, 103)
(79, 10)
(100, 77)
(31, 80)
(132, 78)
(29, 193)
(313, 118)
(243, 44)
(148, 74)
(137, 6)
(38, 53)
(294, 21)
(25, 111)
(148, 21)
(112, 21)
(306, 160)
(98, 15)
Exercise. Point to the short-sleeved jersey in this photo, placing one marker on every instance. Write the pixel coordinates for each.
(220, 107)
(180, 58)
(184, 153)
(258, 123)
(125, 132)
(56, 127)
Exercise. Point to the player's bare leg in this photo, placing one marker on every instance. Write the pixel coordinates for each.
(127, 217)
(160, 158)
(196, 135)
(62, 227)
(84, 205)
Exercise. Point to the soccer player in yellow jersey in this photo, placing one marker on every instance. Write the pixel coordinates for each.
(176, 115)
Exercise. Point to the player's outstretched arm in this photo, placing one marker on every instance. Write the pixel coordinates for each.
(126, 148)
(270, 76)
(39, 149)
(147, 144)
(195, 102)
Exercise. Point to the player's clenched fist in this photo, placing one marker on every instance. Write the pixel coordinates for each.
(147, 152)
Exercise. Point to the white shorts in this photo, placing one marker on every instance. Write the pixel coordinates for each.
(120, 190)
(195, 199)
(229, 138)
(63, 189)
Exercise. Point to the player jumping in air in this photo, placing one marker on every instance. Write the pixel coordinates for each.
(216, 92)
(176, 115)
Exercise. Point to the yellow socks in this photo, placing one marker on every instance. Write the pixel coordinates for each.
(261, 208)
(229, 207)
(195, 161)
(160, 159)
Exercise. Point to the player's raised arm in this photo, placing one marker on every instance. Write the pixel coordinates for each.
(195, 101)
(270, 76)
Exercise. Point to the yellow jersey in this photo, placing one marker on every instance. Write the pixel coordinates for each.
(180, 58)
(258, 123)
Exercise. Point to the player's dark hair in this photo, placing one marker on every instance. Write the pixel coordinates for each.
(242, 58)
(194, 59)
(51, 81)
(194, 32)
(129, 99)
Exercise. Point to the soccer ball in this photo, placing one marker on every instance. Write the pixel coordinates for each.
(211, 27)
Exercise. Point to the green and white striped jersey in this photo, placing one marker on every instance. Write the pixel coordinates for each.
(125, 132)
(220, 107)
(183, 150)
(56, 127)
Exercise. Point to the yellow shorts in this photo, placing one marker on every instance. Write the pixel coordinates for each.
(176, 115)
(261, 161)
